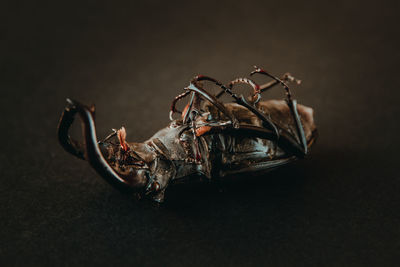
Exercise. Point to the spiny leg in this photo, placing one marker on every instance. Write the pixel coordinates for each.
(213, 100)
(267, 123)
(255, 86)
(292, 106)
(173, 104)
(287, 77)
(192, 111)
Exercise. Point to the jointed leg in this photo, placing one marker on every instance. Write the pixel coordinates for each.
(292, 106)
(287, 77)
(212, 99)
(267, 123)
(173, 104)
(255, 86)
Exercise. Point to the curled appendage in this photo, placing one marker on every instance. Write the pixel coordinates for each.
(256, 88)
(261, 71)
(89, 149)
(173, 104)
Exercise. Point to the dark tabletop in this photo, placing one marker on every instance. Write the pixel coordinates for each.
(339, 207)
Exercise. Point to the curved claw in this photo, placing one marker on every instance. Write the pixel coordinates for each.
(90, 150)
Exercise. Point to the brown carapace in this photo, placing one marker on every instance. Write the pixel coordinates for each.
(210, 138)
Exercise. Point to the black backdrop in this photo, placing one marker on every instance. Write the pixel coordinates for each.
(340, 207)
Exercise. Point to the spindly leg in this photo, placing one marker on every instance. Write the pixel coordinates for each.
(287, 77)
(267, 123)
(256, 88)
(212, 99)
(292, 106)
(173, 104)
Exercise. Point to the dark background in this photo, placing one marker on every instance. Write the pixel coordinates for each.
(340, 207)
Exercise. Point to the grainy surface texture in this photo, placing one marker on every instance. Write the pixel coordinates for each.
(341, 207)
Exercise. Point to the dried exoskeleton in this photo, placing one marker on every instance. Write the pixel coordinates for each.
(210, 138)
